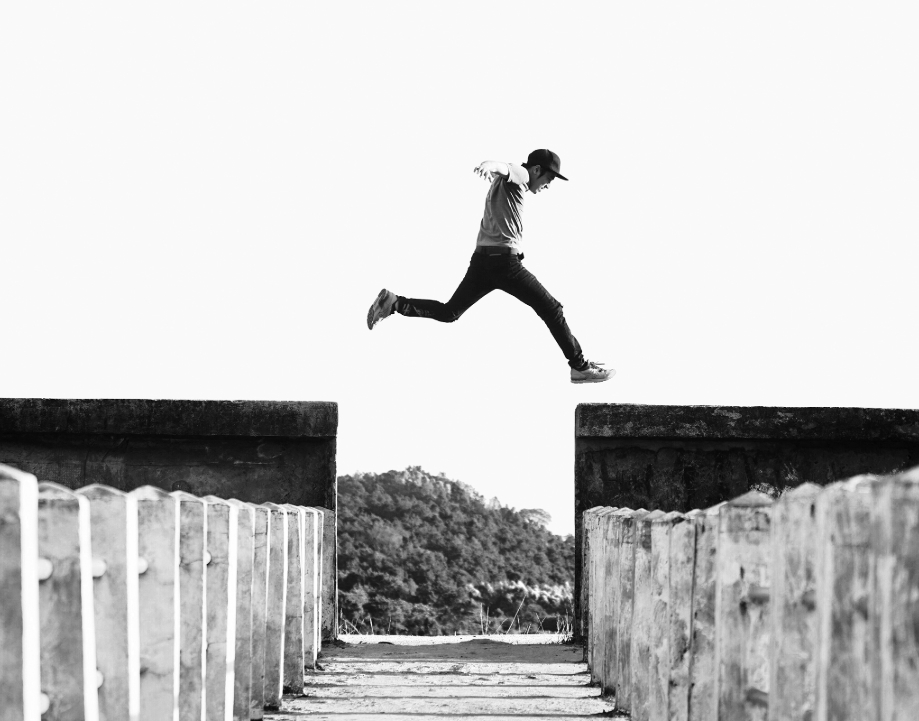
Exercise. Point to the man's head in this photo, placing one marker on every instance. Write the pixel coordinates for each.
(544, 166)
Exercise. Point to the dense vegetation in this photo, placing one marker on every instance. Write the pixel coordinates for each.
(421, 554)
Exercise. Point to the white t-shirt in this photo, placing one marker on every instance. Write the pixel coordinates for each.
(502, 222)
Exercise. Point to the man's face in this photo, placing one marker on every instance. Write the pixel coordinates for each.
(539, 179)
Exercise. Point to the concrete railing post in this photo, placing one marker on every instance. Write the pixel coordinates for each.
(642, 619)
(605, 571)
(192, 608)
(589, 561)
(219, 598)
(113, 529)
(682, 560)
(329, 629)
(293, 628)
(157, 551)
(611, 533)
(895, 530)
(275, 604)
(20, 670)
(625, 610)
(65, 599)
(659, 641)
(703, 670)
(241, 588)
(742, 607)
(259, 609)
(792, 677)
(597, 584)
(312, 520)
(845, 579)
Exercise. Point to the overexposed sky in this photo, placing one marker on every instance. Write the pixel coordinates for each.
(201, 200)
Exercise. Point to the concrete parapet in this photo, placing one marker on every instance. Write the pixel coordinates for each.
(255, 451)
(677, 458)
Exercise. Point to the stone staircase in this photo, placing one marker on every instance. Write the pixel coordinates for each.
(478, 678)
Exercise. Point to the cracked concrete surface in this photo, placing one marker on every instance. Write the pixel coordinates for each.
(480, 678)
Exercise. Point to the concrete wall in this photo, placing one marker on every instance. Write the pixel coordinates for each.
(255, 451)
(676, 458)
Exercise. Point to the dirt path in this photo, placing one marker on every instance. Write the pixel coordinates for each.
(474, 680)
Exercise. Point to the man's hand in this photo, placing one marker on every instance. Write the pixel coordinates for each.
(490, 168)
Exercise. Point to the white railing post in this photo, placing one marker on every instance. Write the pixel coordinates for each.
(293, 629)
(113, 528)
(792, 675)
(311, 558)
(242, 657)
(329, 628)
(20, 670)
(276, 604)
(192, 605)
(259, 597)
(68, 640)
(219, 599)
(157, 549)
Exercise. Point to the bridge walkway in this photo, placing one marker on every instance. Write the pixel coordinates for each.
(469, 678)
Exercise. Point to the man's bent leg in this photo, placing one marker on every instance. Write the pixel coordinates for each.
(473, 287)
(524, 286)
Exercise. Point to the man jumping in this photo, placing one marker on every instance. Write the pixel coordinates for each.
(496, 263)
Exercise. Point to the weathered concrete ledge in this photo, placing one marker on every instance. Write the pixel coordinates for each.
(256, 451)
(169, 417)
(676, 458)
(626, 421)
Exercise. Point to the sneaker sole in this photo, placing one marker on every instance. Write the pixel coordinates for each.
(595, 380)
(375, 306)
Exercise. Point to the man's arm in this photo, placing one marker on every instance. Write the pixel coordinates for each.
(490, 168)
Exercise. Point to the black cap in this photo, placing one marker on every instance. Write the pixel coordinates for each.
(547, 160)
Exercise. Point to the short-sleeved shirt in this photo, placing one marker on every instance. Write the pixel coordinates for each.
(502, 222)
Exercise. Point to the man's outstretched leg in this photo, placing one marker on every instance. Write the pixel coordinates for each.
(474, 286)
(524, 286)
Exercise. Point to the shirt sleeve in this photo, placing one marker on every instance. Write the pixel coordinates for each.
(517, 174)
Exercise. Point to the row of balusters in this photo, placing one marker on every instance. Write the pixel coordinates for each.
(155, 605)
(802, 608)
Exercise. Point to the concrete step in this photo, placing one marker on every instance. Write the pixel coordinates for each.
(523, 688)
(446, 679)
(456, 705)
(407, 666)
(474, 680)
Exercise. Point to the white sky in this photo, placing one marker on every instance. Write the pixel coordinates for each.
(200, 200)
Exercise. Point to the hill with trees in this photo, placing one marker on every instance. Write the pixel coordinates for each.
(422, 554)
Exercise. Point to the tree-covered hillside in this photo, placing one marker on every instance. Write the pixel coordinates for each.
(421, 554)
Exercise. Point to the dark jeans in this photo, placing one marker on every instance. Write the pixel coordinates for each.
(499, 272)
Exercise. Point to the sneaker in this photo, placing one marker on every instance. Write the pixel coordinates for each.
(593, 373)
(382, 308)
